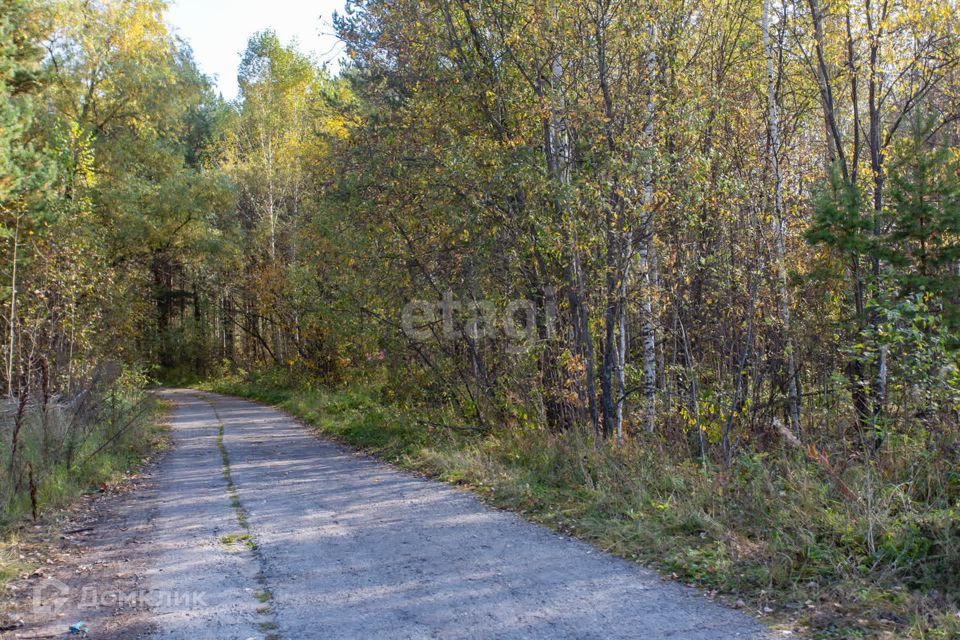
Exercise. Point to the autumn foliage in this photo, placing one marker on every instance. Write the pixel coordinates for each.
(736, 225)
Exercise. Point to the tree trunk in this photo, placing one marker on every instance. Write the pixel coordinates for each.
(783, 295)
(13, 309)
(648, 335)
(559, 156)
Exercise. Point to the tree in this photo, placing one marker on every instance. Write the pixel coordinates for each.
(783, 295)
(25, 167)
(921, 245)
(901, 52)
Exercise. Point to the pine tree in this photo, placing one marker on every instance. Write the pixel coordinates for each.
(922, 246)
(20, 169)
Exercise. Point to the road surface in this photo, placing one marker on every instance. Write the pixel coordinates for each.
(254, 527)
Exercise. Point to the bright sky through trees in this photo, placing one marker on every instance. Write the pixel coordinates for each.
(218, 31)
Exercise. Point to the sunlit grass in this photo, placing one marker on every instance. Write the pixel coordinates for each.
(770, 531)
(97, 463)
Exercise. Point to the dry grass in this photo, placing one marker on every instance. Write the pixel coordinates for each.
(771, 533)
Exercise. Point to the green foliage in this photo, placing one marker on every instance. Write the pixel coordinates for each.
(922, 352)
(767, 529)
(921, 245)
(838, 219)
(24, 169)
(901, 267)
(636, 169)
(66, 456)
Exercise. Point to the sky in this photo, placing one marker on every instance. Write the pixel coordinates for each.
(218, 31)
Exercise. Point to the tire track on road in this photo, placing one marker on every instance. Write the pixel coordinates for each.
(263, 595)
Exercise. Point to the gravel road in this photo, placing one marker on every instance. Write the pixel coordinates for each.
(253, 527)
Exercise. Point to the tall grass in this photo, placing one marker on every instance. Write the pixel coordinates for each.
(773, 529)
(52, 450)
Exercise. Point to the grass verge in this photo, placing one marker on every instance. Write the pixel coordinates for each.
(103, 460)
(770, 535)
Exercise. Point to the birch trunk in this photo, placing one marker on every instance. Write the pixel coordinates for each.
(13, 309)
(783, 295)
(648, 327)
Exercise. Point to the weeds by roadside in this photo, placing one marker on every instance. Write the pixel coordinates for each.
(52, 448)
(55, 450)
(772, 535)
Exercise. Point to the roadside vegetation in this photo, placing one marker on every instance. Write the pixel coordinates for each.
(94, 98)
(54, 452)
(773, 534)
(62, 451)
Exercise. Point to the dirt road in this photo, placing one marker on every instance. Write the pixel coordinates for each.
(252, 527)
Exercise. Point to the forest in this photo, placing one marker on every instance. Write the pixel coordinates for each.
(680, 277)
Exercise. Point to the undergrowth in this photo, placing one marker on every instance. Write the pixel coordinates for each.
(43, 480)
(100, 459)
(771, 533)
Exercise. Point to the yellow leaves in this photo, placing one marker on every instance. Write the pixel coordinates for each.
(574, 365)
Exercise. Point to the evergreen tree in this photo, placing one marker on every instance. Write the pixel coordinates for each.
(922, 246)
(23, 168)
